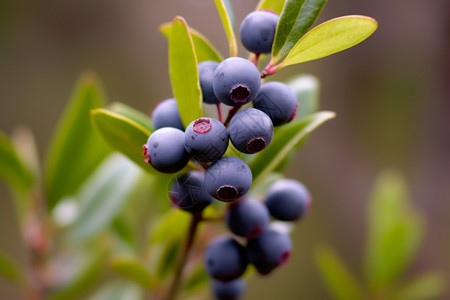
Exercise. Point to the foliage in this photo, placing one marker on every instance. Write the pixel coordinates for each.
(92, 202)
(394, 234)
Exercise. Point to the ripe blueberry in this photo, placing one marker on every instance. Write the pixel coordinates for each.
(225, 259)
(166, 114)
(236, 81)
(251, 130)
(230, 290)
(228, 179)
(287, 200)
(188, 193)
(258, 30)
(247, 217)
(278, 101)
(271, 249)
(206, 139)
(206, 74)
(165, 150)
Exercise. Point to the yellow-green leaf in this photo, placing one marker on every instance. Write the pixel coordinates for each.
(204, 49)
(183, 72)
(76, 148)
(273, 5)
(10, 271)
(122, 134)
(133, 269)
(337, 277)
(127, 111)
(224, 10)
(330, 37)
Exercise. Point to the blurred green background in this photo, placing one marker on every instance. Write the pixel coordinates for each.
(391, 95)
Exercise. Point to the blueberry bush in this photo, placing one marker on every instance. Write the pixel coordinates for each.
(209, 159)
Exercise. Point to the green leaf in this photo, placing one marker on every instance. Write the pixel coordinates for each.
(118, 290)
(395, 231)
(306, 88)
(427, 286)
(169, 258)
(184, 72)
(132, 268)
(137, 116)
(341, 283)
(285, 139)
(76, 148)
(204, 49)
(198, 280)
(169, 225)
(103, 195)
(273, 5)
(86, 276)
(12, 169)
(224, 10)
(295, 20)
(10, 271)
(330, 37)
(122, 134)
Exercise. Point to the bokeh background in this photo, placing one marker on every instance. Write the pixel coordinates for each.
(391, 95)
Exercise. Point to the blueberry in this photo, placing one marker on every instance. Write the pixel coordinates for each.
(166, 114)
(258, 30)
(165, 150)
(247, 217)
(225, 259)
(206, 139)
(287, 200)
(206, 74)
(278, 101)
(268, 251)
(188, 193)
(236, 81)
(228, 179)
(250, 130)
(230, 290)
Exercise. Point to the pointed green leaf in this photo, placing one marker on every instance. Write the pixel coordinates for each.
(295, 20)
(103, 195)
(198, 279)
(285, 139)
(341, 283)
(76, 148)
(137, 116)
(427, 286)
(204, 49)
(273, 5)
(12, 169)
(226, 15)
(306, 88)
(395, 231)
(132, 268)
(118, 290)
(122, 134)
(10, 271)
(184, 72)
(330, 37)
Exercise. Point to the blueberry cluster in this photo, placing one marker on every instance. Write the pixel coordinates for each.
(235, 82)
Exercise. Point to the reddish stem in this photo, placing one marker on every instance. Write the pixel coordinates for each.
(231, 113)
(219, 112)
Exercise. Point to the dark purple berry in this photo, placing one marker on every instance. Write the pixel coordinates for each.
(225, 259)
(228, 179)
(206, 74)
(165, 150)
(257, 31)
(287, 200)
(247, 217)
(230, 290)
(250, 130)
(236, 81)
(206, 139)
(278, 101)
(166, 114)
(270, 250)
(188, 193)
